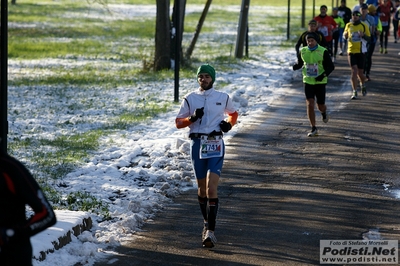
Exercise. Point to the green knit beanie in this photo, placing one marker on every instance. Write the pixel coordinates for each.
(207, 69)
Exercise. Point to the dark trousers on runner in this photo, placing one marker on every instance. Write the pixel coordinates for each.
(368, 57)
(335, 37)
(395, 29)
(329, 47)
(383, 39)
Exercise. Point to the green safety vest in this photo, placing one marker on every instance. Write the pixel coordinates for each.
(313, 65)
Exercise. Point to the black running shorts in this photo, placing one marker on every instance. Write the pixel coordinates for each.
(357, 59)
(315, 91)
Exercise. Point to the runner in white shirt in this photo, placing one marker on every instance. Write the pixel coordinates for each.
(204, 112)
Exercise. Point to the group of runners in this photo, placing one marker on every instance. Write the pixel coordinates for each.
(353, 31)
(209, 114)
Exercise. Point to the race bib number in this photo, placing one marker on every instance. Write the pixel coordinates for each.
(210, 148)
(385, 23)
(312, 70)
(355, 37)
(324, 30)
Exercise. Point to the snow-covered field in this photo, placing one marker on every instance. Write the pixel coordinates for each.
(136, 171)
(139, 170)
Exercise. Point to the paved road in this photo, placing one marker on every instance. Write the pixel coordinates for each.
(282, 192)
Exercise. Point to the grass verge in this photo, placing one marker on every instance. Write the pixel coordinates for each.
(89, 45)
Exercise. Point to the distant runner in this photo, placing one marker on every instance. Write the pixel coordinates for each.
(302, 42)
(338, 33)
(345, 13)
(385, 9)
(358, 35)
(326, 24)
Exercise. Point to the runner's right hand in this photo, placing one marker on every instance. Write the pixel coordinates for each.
(198, 114)
(296, 66)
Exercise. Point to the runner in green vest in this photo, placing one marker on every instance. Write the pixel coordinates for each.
(316, 65)
(337, 33)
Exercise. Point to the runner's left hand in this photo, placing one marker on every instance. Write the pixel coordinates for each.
(320, 77)
(225, 126)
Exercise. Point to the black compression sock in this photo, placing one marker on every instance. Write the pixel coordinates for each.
(203, 207)
(212, 214)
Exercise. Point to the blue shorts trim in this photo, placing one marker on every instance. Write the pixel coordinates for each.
(202, 166)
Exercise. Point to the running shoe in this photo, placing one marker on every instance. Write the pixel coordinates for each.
(314, 132)
(386, 51)
(325, 117)
(354, 96)
(203, 233)
(381, 50)
(363, 90)
(340, 52)
(209, 240)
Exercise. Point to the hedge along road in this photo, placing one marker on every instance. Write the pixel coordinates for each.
(281, 192)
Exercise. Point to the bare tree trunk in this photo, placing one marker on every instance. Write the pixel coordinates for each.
(189, 51)
(177, 40)
(242, 28)
(162, 58)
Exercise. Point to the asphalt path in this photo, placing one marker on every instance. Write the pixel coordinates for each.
(281, 192)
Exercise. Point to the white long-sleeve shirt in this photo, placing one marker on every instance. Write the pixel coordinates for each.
(216, 106)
